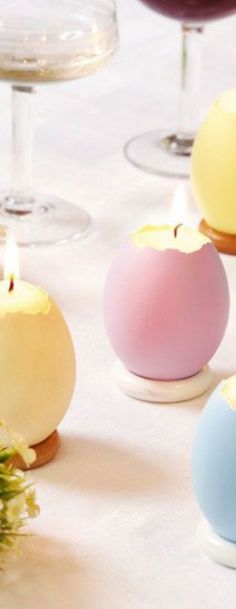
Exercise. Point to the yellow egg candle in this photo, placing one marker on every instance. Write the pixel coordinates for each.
(37, 370)
(213, 172)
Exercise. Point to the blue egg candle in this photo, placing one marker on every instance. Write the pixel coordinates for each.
(214, 469)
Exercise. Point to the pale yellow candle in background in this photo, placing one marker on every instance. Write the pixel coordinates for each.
(214, 162)
(37, 361)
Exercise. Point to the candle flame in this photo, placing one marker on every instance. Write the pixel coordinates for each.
(179, 206)
(11, 262)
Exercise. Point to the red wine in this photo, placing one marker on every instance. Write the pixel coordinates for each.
(193, 10)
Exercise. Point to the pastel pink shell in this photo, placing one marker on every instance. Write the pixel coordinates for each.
(166, 311)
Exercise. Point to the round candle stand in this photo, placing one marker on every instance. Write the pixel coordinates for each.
(224, 242)
(149, 390)
(217, 548)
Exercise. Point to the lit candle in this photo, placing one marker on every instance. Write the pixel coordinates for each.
(166, 301)
(37, 370)
(174, 236)
(18, 296)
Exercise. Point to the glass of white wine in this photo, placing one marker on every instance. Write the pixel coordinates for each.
(43, 41)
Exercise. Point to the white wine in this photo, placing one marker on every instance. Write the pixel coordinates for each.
(34, 69)
(60, 41)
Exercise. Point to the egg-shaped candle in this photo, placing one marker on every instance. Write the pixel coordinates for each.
(214, 471)
(213, 172)
(37, 371)
(166, 302)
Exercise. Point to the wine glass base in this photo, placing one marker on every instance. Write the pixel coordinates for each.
(161, 153)
(43, 220)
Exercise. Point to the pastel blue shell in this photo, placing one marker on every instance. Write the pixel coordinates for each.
(214, 465)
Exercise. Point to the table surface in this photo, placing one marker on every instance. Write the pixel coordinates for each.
(118, 517)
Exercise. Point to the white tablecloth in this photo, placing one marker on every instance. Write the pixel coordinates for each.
(118, 516)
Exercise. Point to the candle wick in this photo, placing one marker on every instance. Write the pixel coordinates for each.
(11, 284)
(176, 229)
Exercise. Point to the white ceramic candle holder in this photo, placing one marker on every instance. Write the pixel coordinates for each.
(218, 549)
(161, 391)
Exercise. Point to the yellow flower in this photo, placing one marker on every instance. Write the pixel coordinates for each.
(15, 441)
(31, 505)
(18, 501)
(15, 508)
(21, 447)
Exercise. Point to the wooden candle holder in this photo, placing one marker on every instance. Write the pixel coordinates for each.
(224, 242)
(45, 452)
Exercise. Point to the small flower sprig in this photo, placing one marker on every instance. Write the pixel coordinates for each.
(17, 495)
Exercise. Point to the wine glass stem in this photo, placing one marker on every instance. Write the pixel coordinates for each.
(191, 64)
(20, 200)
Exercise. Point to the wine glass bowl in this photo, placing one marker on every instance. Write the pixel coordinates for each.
(46, 42)
(197, 11)
(70, 39)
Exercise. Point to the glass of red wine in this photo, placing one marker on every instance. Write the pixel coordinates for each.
(165, 152)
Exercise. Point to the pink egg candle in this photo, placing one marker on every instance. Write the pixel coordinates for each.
(166, 302)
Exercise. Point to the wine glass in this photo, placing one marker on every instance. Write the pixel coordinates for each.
(166, 152)
(43, 41)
